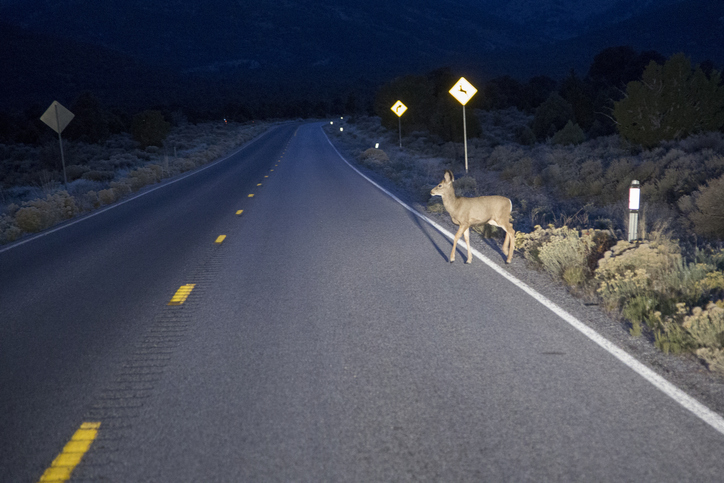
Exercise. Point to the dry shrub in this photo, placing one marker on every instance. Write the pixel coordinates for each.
(121, 187)
(565, 255)
(564, 252)
(705, 209)
(39, 214)
(9, 231)
(374, 156)
(699, 330)
(138, 178)
(629, 270)
(706, 326)
(107, 196)
(435, 206)
(185, 165)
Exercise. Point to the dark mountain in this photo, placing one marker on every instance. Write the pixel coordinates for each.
(694, 27)
(40, 68)
(302, 49)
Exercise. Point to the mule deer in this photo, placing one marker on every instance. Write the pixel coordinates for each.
(466, 212)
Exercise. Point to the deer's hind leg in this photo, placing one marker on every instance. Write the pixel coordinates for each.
(509, 243)
(467, 242)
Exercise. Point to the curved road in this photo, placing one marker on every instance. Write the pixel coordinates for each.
(326, 338)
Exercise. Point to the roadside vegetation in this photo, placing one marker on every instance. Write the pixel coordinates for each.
(569, 181)
(33, 196)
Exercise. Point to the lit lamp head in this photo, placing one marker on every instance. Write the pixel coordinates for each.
(634, 196)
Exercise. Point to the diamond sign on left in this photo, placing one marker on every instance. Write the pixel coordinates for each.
(57, 117)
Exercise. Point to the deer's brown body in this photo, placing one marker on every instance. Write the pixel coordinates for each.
(467, 212)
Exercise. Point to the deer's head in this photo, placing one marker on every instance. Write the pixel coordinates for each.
(444, 185)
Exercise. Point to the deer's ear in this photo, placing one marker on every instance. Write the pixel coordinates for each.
(449, 177)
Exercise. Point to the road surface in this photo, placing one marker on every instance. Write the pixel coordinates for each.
(326, 338)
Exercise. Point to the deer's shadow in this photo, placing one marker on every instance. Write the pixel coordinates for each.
(460, 249)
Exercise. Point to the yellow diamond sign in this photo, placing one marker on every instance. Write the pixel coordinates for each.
(399, 108)
(463, 91)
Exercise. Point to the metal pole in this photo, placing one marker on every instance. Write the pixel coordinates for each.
(399, 123)
(465, 137)
(60, 140)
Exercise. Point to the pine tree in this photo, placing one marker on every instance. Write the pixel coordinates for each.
(670, 102)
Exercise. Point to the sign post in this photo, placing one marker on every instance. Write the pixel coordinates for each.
(463, 91)
(58, 118)
(399, 108)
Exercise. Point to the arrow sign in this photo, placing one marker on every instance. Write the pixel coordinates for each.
(57, 117)
(399, 108)
(463, 91)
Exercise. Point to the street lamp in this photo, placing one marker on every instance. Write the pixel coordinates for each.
(634, 200)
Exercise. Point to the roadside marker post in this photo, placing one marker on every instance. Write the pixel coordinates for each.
(634, 200)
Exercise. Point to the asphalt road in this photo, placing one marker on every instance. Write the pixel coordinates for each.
(326, 339)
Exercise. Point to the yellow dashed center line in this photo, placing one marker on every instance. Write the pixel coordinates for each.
(251, 195)
(258, 184)
(239, 212)
(64, 464)
(182, 294)
(220, 239)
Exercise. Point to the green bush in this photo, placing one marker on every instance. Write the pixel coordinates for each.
(670, 102)
(552, 116)
(150, 128)
(570, 134)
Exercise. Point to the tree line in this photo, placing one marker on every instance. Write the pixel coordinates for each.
(641, 95)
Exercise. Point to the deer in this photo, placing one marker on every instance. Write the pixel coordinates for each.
(466, 212)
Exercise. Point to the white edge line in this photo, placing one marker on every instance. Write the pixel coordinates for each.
(167, 182)
(700, 410)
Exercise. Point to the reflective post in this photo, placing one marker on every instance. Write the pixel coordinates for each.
(634, 200)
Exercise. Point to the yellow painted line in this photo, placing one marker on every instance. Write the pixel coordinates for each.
(266, 176)
(258, 184)
(271, 170)
(251, 195)
(182, 294)
(64, 464)
(239, 212)
(220, 239)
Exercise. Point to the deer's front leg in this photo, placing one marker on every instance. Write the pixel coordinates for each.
(467, 242)
(459, 233)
